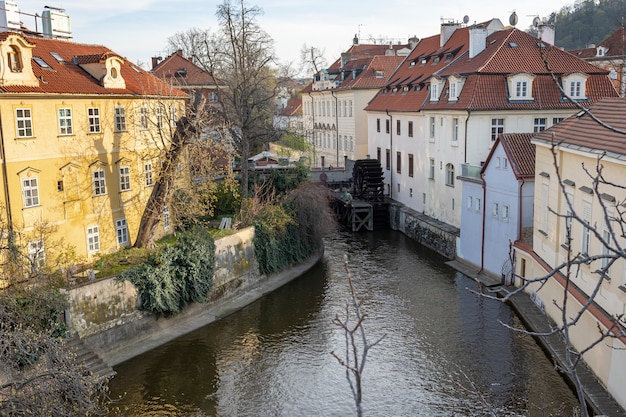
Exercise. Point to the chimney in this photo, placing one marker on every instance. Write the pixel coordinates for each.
(546, 33)
(155, 61)
(413, 41)
(345, 58)
(447, 29)
(477, 40)
(355, 40)
(390, 51)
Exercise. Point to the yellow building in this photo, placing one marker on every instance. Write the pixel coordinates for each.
(579, 222)
(82, 132)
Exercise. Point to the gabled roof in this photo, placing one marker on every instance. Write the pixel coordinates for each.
(63, 73)
(370, 72)
(425, 60)
(507, 52)
(293, 108)
(519, 151)
(360, 51)
(181, 71)
(584, 133)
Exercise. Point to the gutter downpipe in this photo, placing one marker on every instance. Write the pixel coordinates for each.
(469, 113)
(332, 93)
(390, 153)
(482, 239)
(313, 123)
(5, 184)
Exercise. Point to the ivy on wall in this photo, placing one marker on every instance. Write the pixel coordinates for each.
(176, 274)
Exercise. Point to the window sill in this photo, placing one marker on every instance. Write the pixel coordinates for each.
(30, 207)
(622, 287)
(99, 195)
(455, 143)
(542, 232)
(26, 138)
(68, 135)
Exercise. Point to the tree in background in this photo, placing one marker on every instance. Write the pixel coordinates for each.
(240, 55)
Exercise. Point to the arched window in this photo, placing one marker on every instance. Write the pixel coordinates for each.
(450, 175)
(14, 59)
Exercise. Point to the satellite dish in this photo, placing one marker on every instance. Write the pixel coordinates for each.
(465, 19)
(513, 19)
(536, 21)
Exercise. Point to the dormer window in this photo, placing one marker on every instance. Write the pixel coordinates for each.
(434, 91)
(574, 86)
(521, 87)
(14, 59)
(601, 51)
(456, 85)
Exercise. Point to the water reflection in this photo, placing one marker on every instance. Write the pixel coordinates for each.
(443, 347)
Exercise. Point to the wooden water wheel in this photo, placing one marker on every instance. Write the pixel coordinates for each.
(367, 180)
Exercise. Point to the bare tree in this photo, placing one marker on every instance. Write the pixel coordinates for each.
(312, 59)
(357, 346)
(240, 56)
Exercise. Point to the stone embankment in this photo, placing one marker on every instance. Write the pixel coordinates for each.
(104, 314)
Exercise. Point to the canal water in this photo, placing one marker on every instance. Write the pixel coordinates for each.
(444, 351)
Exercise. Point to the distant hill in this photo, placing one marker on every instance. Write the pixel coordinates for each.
(586, 22)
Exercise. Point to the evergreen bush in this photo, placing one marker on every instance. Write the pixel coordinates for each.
(176, 274)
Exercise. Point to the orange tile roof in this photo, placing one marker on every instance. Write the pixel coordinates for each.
(181, 71)
(593, 134)
(373, 73)
(68, 77)
(615, 44)
(520, 152)
(507, 52)
(293, 108)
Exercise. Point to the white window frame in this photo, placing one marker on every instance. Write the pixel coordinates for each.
(124, 176)
(431, 169)
(521, 86)
(93, 239)
(213, 97)
(65, 121)
(166, 219)
(120, 119)
(505, 212)
(121, 232)
(173, 115)
(450, 174)
(98, 177)
(148, 177)
(432, 128)
(93, 117)
(497, 128)
(30, 191)
(143, 118)
(434, 90)
(159, 117)
(455, 129)
(478, 205)
(495, 210)
(585, 226)
(540, 124)
(24, 122)
(37, 254)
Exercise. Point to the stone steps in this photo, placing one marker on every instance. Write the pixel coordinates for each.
(87, 358)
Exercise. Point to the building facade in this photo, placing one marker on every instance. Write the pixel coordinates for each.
(455, 93)
(578, 223)
(82, 131)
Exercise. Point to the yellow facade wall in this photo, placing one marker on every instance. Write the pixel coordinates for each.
(63, 165)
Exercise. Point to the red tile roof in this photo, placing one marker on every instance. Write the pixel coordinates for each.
(293, 108)
(507, 52)
(181, 71)
(615, 44)
(68, 77)
(372, 72)
(520, 152)
(606, 131)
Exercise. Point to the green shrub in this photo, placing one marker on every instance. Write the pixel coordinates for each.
(175, 274)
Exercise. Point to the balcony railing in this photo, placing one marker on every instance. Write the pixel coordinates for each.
(470, 171)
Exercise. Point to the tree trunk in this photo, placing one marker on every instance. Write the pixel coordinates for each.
(156, 203)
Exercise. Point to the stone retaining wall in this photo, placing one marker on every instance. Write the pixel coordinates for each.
(436, 235)
(104, 313)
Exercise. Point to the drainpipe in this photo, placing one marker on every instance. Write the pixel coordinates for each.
(482, 239)
(390, 153)
(5, 184)
(332, 93)
(313, 125)
(520, 211)
(465, 140)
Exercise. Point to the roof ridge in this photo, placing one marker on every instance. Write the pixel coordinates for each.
(498, 49)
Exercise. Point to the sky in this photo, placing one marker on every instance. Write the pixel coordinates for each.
(138, 29)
